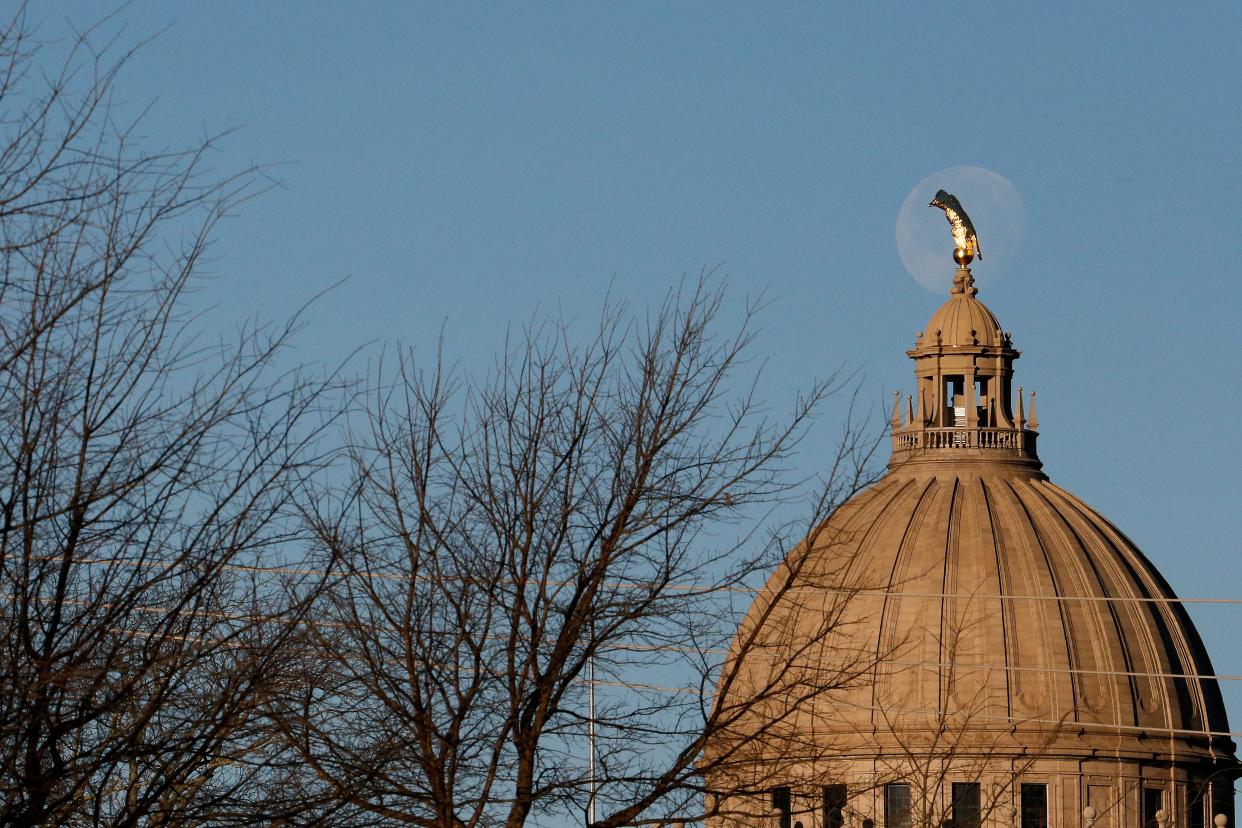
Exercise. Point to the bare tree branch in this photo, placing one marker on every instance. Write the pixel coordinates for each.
(582, 505)
(141, 466)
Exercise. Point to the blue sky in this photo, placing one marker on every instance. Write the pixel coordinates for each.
(464, 165)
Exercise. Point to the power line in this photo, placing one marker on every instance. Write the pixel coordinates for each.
(687, 588)
(1078, 671)
(1067, 724)
(623, 647)
(628, 685)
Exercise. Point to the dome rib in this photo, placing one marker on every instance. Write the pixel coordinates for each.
(1119, 643)
(1005, 616)
(948, 585)
(1064, 653)
(1178, 641)
(1127, 616)
(888, 606)
(1004, 580)
(1110, 582)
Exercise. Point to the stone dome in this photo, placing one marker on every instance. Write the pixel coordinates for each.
(996, 596)
(966, 606)
(963, 320)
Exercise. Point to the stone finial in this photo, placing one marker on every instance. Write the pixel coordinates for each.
(909, 409)
(1088, 816)
(1221, 821)
(896, 418)
(963, 283)
(1021, 410)
(1034, 421)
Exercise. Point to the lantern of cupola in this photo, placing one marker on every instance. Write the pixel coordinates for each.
(964, 401)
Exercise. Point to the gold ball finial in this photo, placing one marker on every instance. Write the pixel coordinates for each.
(963, 256)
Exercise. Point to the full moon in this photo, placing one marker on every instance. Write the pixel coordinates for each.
(923, 237)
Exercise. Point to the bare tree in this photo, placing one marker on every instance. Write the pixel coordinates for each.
(543, 571)
(147, 475)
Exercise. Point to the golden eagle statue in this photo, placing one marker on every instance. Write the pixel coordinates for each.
(965, 242)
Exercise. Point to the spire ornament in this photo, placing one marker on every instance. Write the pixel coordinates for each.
(963, 281)
(965, 240)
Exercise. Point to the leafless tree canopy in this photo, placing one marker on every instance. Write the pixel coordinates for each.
(540, 572)
(143, 472)
(573, 521)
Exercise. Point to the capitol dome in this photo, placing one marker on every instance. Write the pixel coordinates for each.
(965, 642)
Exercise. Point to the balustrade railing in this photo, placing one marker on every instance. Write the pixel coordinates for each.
(1005, 439)
(1090, 815)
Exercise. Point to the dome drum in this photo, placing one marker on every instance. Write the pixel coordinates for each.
(1120, 795)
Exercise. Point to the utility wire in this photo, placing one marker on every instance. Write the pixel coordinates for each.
(1069, 725)
(624, 647)
(688, 588)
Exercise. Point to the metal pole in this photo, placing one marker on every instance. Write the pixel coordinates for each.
(591, 733)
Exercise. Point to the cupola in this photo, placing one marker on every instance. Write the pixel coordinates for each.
(964, 406)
